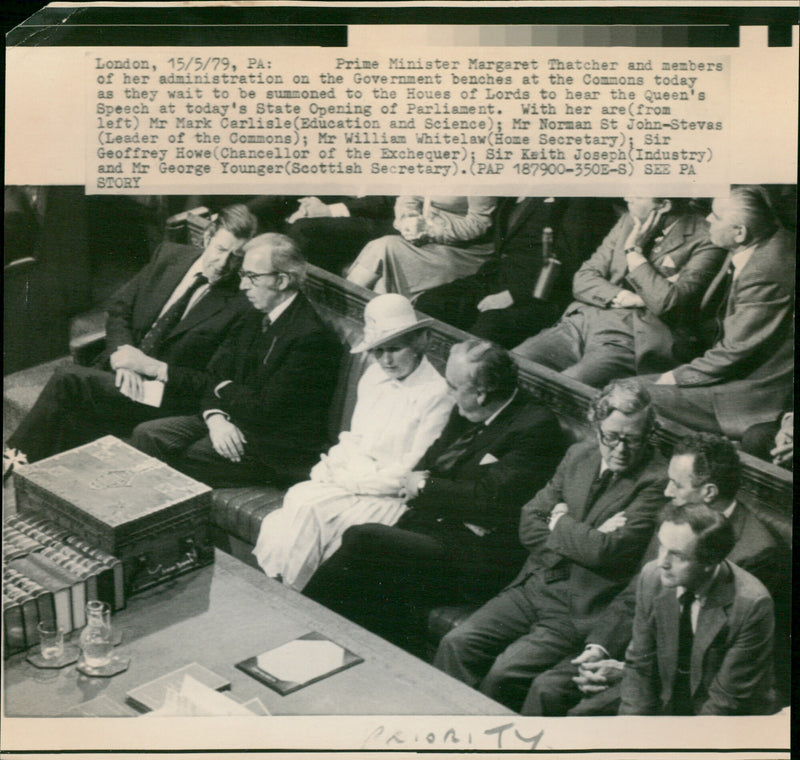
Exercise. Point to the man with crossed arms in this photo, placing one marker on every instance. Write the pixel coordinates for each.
(586, 532)
(704, 469)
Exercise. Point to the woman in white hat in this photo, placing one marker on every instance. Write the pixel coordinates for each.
(401, 407)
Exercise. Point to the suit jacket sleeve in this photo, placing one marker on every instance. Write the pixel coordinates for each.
(462, 228)
(743, 667)
(622, 549)
(762, 306)
(119, 322)
(535, 516)
(371, 206)
(591, 284)
(662, 295)
(308, 364)
(612, 630)
(524, 459)
(640, 681)
(194, 383)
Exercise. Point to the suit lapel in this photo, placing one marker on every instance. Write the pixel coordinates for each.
(667, 613)
(618, 267)
(490, 433)
(716, 283)
(210, 304)
(166, 284)
(712, 619)
(675, 238)
(275, 338)
(738, 520)
(584, 478)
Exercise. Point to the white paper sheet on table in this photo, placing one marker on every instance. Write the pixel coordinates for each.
(301, 660)
(195, 699)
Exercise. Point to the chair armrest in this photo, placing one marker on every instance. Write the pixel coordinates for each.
(25, 264)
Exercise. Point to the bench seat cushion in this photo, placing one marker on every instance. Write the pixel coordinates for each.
(239, 511)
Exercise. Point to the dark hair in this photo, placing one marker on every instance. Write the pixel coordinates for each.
(679, 205)
(715, 460)
(238, 220)
(492, 368)
(714, 533)
(755, 211)
(627, 395)
(286, 256)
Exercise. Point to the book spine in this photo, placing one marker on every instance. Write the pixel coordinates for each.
(29, 614)
(13, 627)
(76, 587)
(75, 563)
(14, 581)
(110, 585)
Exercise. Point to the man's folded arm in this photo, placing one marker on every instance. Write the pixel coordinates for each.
(662, 295)
(620, 549)
(307, 369)
(590, 284)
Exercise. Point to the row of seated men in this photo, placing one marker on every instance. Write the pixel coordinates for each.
(255, 416)
(701, 310)
(656, 293)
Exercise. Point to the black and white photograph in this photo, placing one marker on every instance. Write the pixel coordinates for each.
(307, 452)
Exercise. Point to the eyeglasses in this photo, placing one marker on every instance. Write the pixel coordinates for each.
(612, 440)
(253, 276)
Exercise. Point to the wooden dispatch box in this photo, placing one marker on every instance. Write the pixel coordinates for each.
(152, 517)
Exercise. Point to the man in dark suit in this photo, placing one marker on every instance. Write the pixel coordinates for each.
(267, 388)
(586, 531)
(459, 536)
(643, 282)
(704, 469)
(702, 631)
(497, 302)
(746, 376)
(170, 318)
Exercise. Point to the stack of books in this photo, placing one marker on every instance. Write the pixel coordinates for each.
(49, 575)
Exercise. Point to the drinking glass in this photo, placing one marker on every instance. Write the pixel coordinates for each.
(51, 640)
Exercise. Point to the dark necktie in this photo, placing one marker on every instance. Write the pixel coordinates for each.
(681, 687)
(266, 323)
(599, 486)
(448, 458)
(167, 321)
(725, 289)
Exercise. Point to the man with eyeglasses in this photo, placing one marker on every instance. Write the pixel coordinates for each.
(586, 532)
(704, 469)
(169, 319)
(266, 391)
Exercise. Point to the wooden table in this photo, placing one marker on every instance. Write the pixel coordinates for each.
(226, 612)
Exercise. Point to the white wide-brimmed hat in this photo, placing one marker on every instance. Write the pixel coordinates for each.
(386, 317)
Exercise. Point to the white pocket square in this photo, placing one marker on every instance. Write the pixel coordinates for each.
(489, 459)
